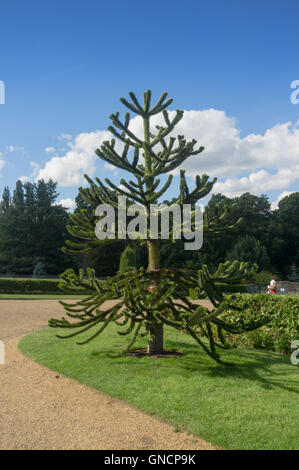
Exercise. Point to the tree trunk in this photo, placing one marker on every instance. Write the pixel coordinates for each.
(155, 337)
(155, 340)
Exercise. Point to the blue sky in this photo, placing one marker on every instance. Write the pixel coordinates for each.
(66, 64)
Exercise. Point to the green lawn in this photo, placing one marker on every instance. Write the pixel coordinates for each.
(251, 405)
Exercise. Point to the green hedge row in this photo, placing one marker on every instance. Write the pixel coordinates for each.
(278, 334)
(50, 286)
(29, 286)
(225, 289)
(232, 288)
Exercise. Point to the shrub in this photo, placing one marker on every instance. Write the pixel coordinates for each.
(232, 288)
(250, 250)
(127, 260)
(223, 288)
(279, 333)
(29, 286)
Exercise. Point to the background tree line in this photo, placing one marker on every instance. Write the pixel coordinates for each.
(267, 237)
(33, 230)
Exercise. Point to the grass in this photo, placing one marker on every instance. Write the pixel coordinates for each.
(40, 297)
(251, 405)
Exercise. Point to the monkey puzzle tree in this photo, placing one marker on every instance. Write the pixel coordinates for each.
(145, 300)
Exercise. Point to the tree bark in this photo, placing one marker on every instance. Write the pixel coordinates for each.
(155, 337)
(155, 340)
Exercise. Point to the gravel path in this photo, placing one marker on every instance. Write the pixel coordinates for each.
(43, 410)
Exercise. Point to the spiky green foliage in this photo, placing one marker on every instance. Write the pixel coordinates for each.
(139, 308)
(158, 153)
(146, 300)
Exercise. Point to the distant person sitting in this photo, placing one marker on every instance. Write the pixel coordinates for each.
(272, 288)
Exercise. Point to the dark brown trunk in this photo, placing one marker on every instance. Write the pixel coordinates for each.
(155, 340)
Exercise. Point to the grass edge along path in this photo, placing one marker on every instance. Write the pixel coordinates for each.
(251, 405)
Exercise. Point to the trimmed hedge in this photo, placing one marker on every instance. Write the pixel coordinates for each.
(278, 334)
(223, 288)
(29, 286)
(232, 288)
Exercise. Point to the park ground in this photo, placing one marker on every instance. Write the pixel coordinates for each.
(43, 409)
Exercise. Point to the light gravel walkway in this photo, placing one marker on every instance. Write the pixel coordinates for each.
(40, 409)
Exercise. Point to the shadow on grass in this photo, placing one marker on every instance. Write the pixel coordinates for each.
(248, 364)
(268, 369)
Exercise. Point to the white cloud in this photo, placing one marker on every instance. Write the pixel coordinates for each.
(9, 149)
(65, 137)
(68, 203)
(212, 129)
(259, 182)
(109, 166)
(226, 153)
(274, 205)
(13, 148)
(50, 149)
(24, 179)
(68, 170)
(256, 163)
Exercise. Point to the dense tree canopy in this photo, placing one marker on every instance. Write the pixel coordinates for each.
(288, 210)
(32, 229)
(250, 250)
(275, 233)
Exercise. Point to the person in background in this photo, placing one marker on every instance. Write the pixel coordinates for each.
(272, 288)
